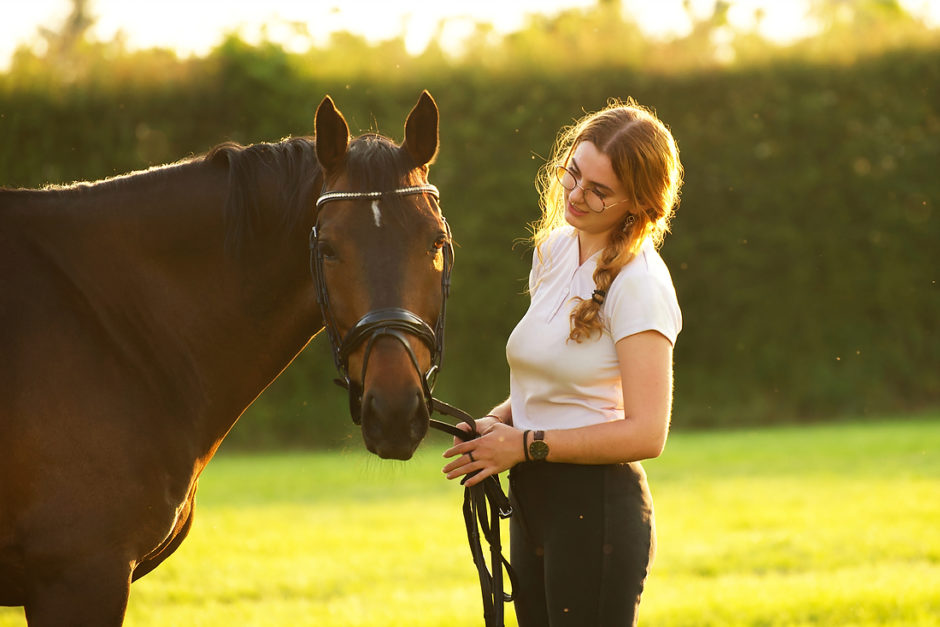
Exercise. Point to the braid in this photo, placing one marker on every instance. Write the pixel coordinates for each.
(586, 317)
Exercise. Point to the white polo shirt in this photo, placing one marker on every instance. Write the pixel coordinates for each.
(560, 384)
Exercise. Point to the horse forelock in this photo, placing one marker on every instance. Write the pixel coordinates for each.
(374, 163)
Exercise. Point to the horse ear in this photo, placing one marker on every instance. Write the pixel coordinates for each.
(421, 137)
(332, 135)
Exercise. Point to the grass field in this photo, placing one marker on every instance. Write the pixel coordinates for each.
(809, 525)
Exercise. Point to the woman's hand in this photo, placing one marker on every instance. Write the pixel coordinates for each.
(498, 448)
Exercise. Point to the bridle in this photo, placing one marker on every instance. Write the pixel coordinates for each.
(484, 503)
(395, 322)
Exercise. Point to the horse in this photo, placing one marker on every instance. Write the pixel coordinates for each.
(142, 314)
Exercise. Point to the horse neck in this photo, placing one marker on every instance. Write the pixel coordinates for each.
(204, 330)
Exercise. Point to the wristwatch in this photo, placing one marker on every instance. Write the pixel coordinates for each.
(538, 448)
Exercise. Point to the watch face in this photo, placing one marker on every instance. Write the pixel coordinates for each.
(538, 450)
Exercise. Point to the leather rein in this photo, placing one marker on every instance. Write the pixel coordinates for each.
(484, 503)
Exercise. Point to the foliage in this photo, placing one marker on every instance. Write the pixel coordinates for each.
(804, 252)
(746, 536)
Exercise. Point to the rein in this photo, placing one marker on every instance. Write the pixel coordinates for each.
(484, 503)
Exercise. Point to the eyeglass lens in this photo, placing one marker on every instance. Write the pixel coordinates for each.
(568, 180)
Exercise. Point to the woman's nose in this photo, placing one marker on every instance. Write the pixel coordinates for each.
(576, 195)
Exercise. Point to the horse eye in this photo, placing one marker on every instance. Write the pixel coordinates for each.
(440, 242)
(327, 251)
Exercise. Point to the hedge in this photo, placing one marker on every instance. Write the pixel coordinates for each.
(805, 250)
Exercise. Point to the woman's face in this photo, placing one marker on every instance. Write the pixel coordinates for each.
(593, 171)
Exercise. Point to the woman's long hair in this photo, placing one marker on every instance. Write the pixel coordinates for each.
(645, 159)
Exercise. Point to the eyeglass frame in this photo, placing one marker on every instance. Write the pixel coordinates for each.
(560, 172)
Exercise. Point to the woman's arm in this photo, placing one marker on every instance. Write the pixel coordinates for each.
(646, 375)
(502, 412)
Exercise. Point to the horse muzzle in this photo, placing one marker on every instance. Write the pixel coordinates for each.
(392, 402)
(393, 424)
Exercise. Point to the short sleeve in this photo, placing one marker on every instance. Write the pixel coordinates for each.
(534, 272)
(643, 301)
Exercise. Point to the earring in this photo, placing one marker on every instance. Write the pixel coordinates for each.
(628, 222)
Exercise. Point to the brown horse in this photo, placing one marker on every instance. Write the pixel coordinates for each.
(140, 316)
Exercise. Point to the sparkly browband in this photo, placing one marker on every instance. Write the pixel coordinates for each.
(401, 191)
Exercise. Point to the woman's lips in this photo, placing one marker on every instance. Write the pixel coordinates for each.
(576, 212)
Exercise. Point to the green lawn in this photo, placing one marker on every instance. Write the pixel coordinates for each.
(810, 525)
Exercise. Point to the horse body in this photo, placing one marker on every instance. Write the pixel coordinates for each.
(139, 317)
(128, 357)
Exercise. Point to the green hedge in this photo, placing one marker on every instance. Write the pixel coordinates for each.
(805, 251)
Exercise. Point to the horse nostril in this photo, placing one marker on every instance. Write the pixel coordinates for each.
(371, 420)
(419, 418)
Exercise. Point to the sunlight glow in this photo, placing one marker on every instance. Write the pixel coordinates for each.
(193, 28)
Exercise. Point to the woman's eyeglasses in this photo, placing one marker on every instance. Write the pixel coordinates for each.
(592, 198)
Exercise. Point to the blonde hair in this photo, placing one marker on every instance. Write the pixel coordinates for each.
(645, 159)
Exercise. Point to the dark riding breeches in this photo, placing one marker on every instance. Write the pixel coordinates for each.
(582, 539)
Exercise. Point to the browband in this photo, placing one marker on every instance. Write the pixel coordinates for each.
(401, 191)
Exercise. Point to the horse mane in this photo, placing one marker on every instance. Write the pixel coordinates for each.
(99, 185)
(271, 185)
(288, 168)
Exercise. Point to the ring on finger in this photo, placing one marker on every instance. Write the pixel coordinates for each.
(470, 454)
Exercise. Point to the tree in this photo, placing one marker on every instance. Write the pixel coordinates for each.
(64, 44)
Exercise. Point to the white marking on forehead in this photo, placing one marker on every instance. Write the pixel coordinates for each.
(377, 213)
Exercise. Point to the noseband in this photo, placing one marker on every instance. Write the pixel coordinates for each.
(395, 322)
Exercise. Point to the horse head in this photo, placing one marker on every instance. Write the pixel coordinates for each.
(382, 256)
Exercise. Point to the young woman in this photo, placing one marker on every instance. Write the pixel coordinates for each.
(591, 375)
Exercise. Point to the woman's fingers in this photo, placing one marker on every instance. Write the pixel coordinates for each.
(459, 463)
(459, 448)
(464, 465)
(497, 450)
(463, 427)
(469, 457)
